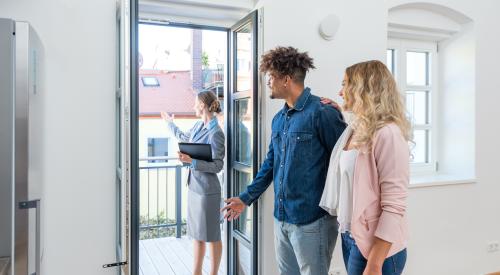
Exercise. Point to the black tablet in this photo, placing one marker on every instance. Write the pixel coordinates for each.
(199, 151)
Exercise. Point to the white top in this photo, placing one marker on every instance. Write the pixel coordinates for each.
(346, 168)
(330, 197)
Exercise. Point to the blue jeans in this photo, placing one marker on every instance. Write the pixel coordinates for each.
(355, 263)
(305, 249)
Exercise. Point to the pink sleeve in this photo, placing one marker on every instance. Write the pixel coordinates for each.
(392, 158)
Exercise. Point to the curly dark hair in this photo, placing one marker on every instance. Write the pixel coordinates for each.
(287, 61)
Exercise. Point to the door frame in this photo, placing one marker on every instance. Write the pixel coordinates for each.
(122, 132)
(134, 208)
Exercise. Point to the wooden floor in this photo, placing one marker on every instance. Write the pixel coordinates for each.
(170, 256)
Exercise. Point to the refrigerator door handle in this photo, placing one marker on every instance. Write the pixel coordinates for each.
(29, 205)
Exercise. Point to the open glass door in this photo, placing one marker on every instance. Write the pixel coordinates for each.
(122, 127)
(242, 163)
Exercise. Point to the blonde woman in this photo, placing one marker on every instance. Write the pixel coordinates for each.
(367, 181)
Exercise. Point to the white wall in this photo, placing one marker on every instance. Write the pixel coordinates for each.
(423, 19)
(362, 36)
(78, 137)
(456, 99)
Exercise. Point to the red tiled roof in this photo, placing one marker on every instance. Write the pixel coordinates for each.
(174, 95)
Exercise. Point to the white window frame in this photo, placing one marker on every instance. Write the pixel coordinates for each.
(400, 47)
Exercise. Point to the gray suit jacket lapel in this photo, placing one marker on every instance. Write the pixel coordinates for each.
(203, 134)
(197, 131)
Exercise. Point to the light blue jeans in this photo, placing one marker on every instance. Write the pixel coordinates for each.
(305, 249)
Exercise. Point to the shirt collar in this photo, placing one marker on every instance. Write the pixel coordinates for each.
(211, 124)
(301, 101)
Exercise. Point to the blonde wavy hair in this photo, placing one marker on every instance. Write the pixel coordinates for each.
(372, 95)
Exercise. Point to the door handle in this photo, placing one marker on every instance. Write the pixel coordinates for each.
(29, 205)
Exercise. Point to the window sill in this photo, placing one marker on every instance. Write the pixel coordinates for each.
(419, 181)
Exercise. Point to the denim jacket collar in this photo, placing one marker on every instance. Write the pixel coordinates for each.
(301, 102)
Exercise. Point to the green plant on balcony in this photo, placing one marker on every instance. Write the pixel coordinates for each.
(165, 227)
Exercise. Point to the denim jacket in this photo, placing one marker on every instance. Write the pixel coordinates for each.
(299, 153)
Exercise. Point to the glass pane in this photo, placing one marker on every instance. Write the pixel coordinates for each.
(119, 211)
(419, 152)
(244, 222)
(118, 125)
(417, 68)
(243, 259)
(244, 127)
(244, 64)
(390, 60)
(417, 104)
(213, 61)
(118, 133)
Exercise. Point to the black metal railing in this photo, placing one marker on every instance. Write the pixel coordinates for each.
(158, 180)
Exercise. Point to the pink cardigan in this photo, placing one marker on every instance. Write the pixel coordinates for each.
(380, 189)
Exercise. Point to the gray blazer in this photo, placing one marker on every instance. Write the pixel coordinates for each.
(203, 174)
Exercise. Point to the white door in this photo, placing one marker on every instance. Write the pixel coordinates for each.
(122, 126)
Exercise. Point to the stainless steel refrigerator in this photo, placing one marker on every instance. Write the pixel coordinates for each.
(20, 58)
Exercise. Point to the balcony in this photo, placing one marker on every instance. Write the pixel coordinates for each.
(164, 247)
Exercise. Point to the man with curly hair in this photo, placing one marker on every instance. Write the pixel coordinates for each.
(304, 133)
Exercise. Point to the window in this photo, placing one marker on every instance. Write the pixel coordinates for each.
(150, 81)
(413, 64)
(439, 89)
(158, 147)
(243, 65)
(390, 60)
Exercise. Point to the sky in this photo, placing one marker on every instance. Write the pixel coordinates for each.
(169, 48)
